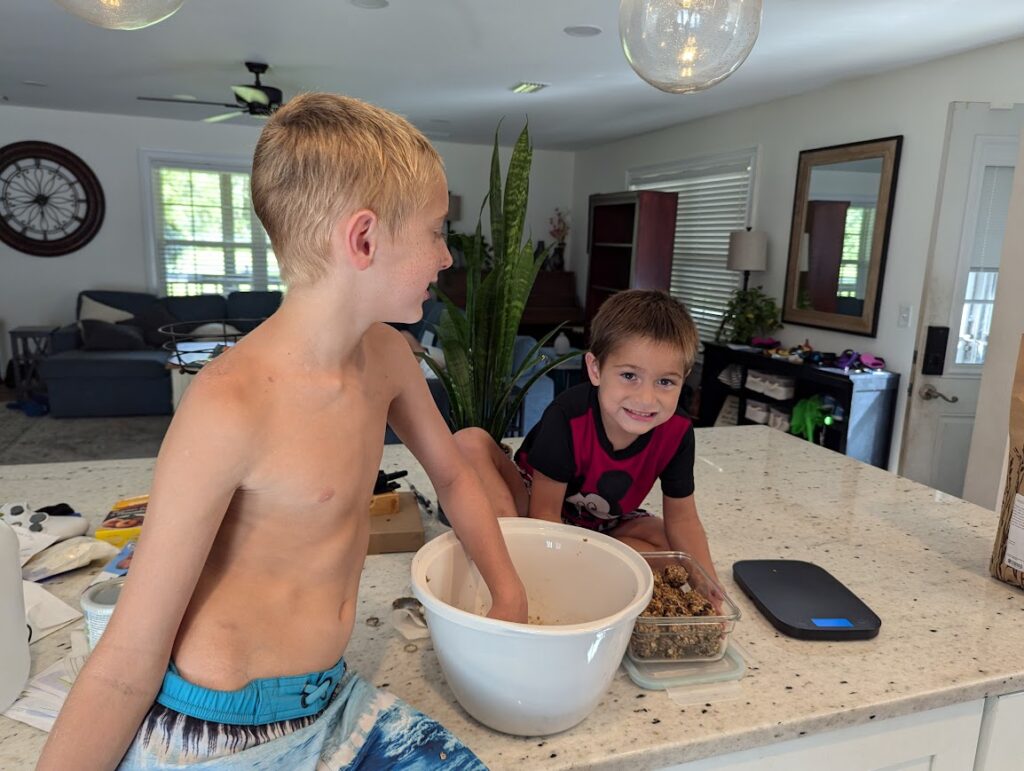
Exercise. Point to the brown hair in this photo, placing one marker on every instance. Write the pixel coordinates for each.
(647, 313)
(321, 156)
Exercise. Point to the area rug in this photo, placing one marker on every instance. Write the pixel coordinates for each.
(25, 439)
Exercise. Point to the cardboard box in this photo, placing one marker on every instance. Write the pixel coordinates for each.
(400, 532)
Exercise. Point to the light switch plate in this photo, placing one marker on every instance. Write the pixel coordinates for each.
(904, 317)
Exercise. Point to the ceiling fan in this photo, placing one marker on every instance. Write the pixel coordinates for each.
(256, 99)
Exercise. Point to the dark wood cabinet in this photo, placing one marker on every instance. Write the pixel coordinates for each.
(630, 239)
(866, 401)
(552, 300)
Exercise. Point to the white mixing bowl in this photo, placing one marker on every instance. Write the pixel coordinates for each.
(585, 590)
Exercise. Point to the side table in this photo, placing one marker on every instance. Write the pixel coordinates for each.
(29, 345)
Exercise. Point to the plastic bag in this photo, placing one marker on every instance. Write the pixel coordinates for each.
(67, 555)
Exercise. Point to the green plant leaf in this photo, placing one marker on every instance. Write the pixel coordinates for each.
(495, 200)
(517, 190)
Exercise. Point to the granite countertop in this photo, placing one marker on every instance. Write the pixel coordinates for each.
(918, 557)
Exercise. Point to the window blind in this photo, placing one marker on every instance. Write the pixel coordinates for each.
(714, 199)
(207, 237)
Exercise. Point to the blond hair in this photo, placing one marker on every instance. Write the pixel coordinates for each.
(321, 156)
(651, 314)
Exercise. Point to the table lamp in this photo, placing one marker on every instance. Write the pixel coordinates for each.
(748, 250)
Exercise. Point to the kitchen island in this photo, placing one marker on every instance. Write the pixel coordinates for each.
(941, 685)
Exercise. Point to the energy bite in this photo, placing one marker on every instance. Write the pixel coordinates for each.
(674, 598)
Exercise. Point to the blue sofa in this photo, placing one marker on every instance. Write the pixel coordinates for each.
(104, 383)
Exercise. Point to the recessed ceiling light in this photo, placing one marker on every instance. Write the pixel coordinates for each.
(582, 30)
(34, 83)
(373, 5)
(526, 87)
(185, 97)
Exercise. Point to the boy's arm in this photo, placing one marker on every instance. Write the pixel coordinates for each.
(685, 531)
(201, 463)
(546, 498)
(414, 418)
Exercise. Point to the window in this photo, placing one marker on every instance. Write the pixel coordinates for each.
(714, 199)
(981, 242)
(206, 236)
(857, 237)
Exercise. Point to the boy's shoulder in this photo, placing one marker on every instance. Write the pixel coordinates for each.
(577, 400)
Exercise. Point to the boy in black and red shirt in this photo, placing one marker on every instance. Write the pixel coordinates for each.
(597, 451)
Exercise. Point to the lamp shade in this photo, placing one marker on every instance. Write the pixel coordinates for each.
(748, 250)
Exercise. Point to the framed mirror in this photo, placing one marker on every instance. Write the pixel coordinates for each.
(842, 210)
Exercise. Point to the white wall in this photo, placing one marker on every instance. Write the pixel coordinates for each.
(913, 102)
(34, 290)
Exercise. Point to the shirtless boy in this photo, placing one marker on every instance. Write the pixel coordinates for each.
(226, 646)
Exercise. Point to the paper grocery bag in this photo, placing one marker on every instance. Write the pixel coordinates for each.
(1008, 554)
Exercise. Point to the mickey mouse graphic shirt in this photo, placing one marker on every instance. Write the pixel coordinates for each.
(604, 486)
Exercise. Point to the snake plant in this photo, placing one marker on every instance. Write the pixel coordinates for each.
(478, 343)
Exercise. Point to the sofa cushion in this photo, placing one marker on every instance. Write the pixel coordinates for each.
(105, 364)
(103, 336)
(218, 331)
(93, 310)
(150, 319)
(252, 306)
(202, 307)
(132, 302)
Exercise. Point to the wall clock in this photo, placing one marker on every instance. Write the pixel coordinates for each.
(50, 201)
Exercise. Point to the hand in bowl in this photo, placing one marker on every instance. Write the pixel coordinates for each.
(510, 608)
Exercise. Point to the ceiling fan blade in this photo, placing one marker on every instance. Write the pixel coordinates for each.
(222, 117)
(251, 95)
(182, 101)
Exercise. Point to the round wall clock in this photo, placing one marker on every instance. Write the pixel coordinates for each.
(50, 201)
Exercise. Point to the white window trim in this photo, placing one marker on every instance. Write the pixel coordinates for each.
(988, 151)
(147, 160)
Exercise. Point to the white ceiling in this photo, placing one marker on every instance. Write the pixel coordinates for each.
(447, 64)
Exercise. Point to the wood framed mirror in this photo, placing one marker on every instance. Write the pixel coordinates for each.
(842, 211)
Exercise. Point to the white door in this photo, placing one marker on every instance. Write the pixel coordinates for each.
(959, 294)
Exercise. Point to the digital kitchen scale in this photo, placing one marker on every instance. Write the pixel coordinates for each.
(803, 600)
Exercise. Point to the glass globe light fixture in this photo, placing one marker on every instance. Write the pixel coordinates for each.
(682, 46)
(121, 14)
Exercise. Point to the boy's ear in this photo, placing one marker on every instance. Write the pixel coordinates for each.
(593, 368)
(357, 234)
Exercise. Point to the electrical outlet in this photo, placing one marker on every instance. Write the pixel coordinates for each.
(904, 317)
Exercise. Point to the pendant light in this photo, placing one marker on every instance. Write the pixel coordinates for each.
(121, 14)
(682, 46)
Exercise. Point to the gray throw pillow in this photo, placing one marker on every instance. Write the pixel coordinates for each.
(104, 336)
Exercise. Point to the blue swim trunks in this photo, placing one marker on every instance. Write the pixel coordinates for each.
(324, 720)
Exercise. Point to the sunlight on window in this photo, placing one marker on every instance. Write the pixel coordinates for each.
(208, 238)
(980, 293)
(857, 236)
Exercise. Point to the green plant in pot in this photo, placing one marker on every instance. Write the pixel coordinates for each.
(750, 313)
(478, 344)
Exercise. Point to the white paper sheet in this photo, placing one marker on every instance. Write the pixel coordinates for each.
(44, 613)
(30, 544)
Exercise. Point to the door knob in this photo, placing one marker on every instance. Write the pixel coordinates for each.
(928, 392)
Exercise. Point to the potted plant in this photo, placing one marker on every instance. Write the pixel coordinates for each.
(478, 344)
(559, 231)
(750, 313)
